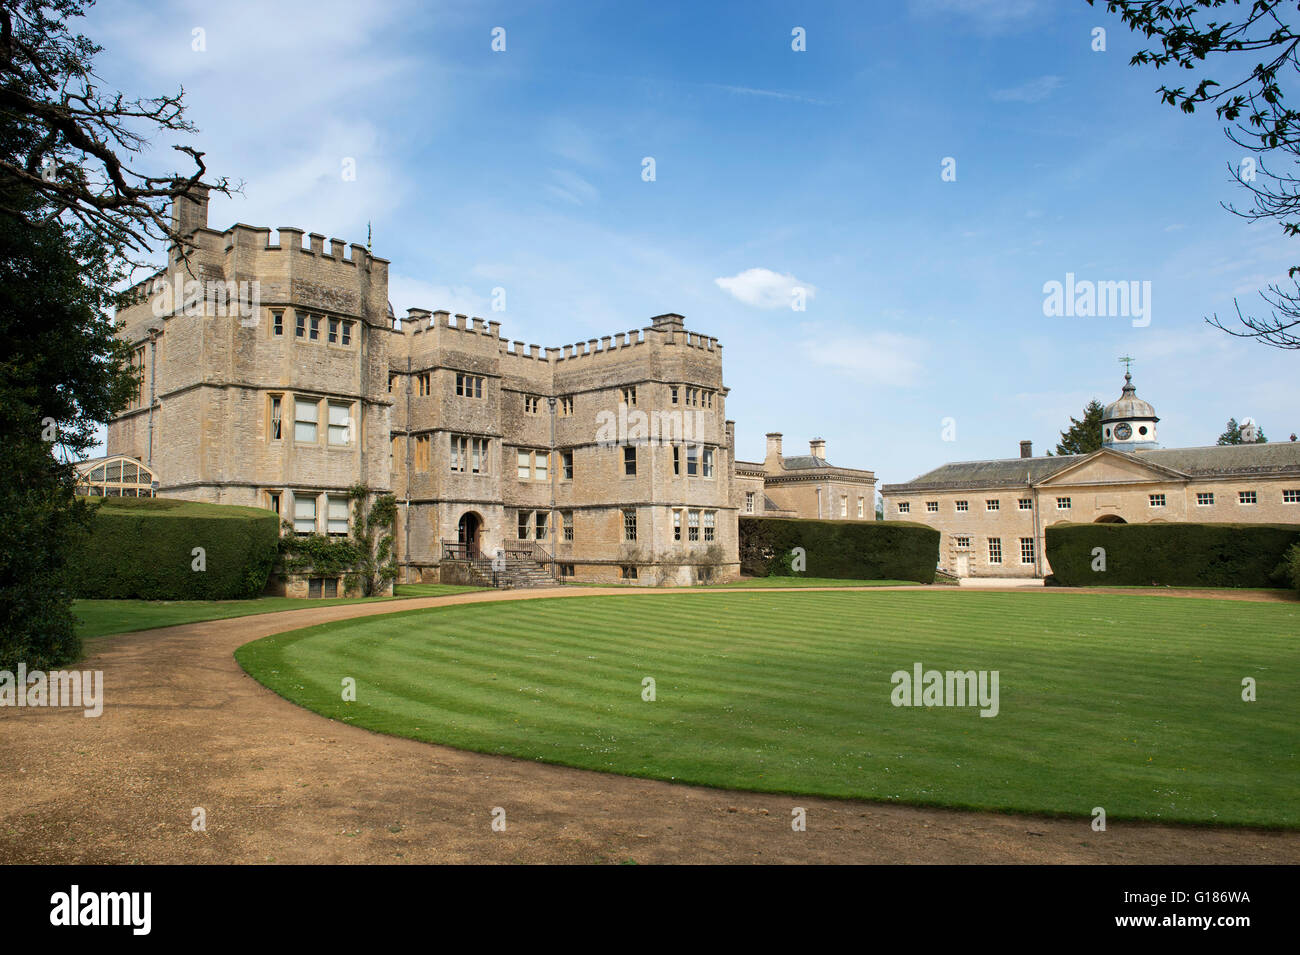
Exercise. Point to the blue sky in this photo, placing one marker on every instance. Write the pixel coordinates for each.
(774, 168)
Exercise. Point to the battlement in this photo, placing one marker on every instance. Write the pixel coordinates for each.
(421, 321)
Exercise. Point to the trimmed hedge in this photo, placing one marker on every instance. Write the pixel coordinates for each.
(1173, 555)
(143, 548)
(849, 550)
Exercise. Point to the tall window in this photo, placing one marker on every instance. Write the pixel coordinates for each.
(137, 362)
(314, 334)
(692, 460)
(566, 465)
(304, 515)
(541, 525)
(299, 325)
(749, 503)
(1026, 550)
(422, 383)
(566, 523)
(672, 393)
(692, 525)
(333, 338)
(275, 418)
(995, 550)
(277, 323)
(273, 501)
(706, 462)
(346, 335)
(306, 416)
(677, 459)
(629, 460)
(844, 505)
(422, 452)
(525, 524)
(469, 454)
(340, 423)
(629, 525)
(336, 516)
(710, 519)
(677, 525)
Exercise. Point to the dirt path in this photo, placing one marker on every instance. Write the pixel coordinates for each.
(185, 727)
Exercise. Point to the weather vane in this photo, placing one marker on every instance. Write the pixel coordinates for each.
(1127, 362)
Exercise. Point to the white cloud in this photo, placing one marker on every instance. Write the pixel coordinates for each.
(876, 358)
(764, 288)
(571, 187)
(1034, 91)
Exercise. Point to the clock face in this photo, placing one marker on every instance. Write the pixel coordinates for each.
(1123, 431)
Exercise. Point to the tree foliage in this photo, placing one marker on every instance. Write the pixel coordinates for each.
(1232, 434)
(1084, 435)
(1256, 45)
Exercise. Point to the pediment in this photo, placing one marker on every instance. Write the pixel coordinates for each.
(1112, 467)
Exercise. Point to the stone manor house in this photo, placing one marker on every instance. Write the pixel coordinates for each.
(992, 515)
(608, 460)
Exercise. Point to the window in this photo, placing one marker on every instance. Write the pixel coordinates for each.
(1291, 497)
(422, 384)
(566, 522)
(710, 520)
(629, 525)
(931, 507)
(137, 363)
(992, 504)
(1026, 550)
(629, 395)
(629, 461)
(628, 572)
(566, 406)
(391, 379)
(532, 404)
(904, 507)
(1246, 497)
(392, 453)
(333, 338)
(469, 386)
(1204, 498)
(314, 334)
(692, 460)
(346, 337)
(277, 323)
(275, 418)
(962, 506)
(749, 502)
(273, 501)
(531, 465)
(844, 505)
(525, 522)
(692, 396)
(340, 426)
(306, 416)
(995, 550)
(1026, 504)
(541, 525)
(1156, 500)
(299, 325)
(1062, 503)
(469, 454)
(962, 542)
(677, 525)
(672, 393)
(677, 459)
(706, 463)
(566, 570)
(422, 452)
(304, 515)
(336, 516)
(566, 465)
(692, 525)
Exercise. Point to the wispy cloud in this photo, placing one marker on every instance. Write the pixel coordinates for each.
(1035, 91)
(764, 288)
(571, 187)
(772, 94)
(873, 358)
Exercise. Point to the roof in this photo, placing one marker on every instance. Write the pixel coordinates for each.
(1128, 405)
(802, 462)
(1281, 457)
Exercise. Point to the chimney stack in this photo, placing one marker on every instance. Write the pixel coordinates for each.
(190, 211)
(818, 448)
(773, 461)
(1026, 449)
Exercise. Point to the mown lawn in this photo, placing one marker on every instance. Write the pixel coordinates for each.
(1131, 703)
(104, 617)
(762, 583)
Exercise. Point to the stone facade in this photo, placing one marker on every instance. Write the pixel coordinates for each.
(992, 515)
(804, 486)
(612, 456)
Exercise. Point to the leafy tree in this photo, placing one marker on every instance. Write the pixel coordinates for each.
(1084, 435)
(1232, 434)
(74, 217)
(1260, 51)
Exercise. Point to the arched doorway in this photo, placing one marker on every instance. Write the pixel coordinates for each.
(1110, 519)
(469, 534)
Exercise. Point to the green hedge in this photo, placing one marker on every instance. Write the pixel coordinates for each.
(144, 548)
(850, 550)
(1174, 555)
